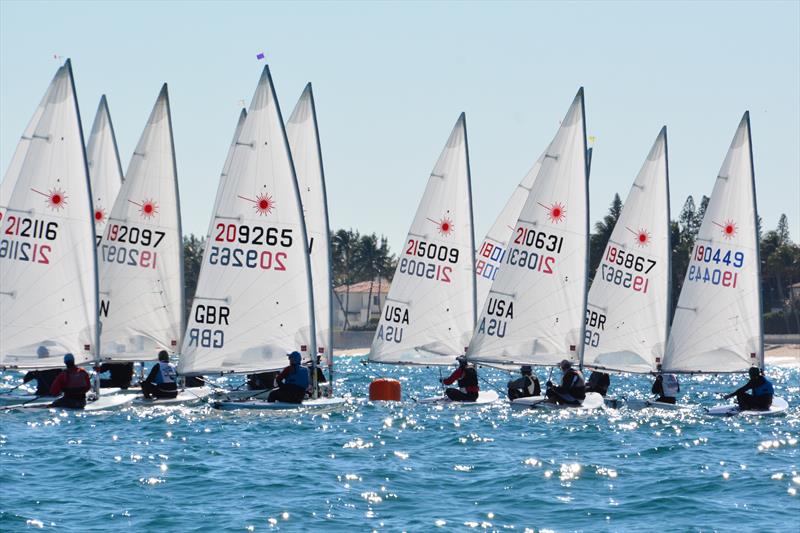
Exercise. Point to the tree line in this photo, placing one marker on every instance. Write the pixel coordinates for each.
(367, 257)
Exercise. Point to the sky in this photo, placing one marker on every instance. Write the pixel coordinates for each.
(390, 79)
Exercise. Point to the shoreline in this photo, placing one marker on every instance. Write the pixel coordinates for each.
(774, 354)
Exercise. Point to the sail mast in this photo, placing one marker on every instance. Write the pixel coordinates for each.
(586, 164)
(327, 240)
(760, 346)
(471, 227)
(96, 277)
(668, 314)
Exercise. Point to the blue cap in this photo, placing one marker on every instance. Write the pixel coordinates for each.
(294, 358)
(69, 359)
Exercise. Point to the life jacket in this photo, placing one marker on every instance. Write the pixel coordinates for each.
(572, 383)
(75, 383)
(469, 380)
(530, 385)
(166, 373)
(298, 378)
(669, 385)
(764, 388)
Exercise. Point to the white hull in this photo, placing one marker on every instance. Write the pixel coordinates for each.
(484, 397)
(592, 401)
(779, 406)
(320, 403)
(191, 395)
(104, 403)
(644, 404)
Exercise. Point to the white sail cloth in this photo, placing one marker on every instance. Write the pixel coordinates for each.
(141, 251)
(303, 135)
(48, 269)
(105, 169)
(717, 325)
(253, 299)
(534, 313)
(628, 310)
(429, 314)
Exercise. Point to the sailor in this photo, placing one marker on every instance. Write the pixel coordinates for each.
(525, 386)
(599, 382)
(292, 382)
(572, 390)
(467, 377)
(261, 381)
(74, 383)
(120, 375)
(44, 379)
(761, 399)
(666, 386)
(320, 377)
(161, 382)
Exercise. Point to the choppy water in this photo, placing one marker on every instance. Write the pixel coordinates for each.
(404, 466)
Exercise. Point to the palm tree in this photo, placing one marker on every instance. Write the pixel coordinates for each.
(344, 247)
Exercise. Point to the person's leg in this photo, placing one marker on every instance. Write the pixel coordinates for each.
(565, 399)
(744, 400)
(167, 394)
(455, 395)
(513, 394)
(760, 403)
(665, 399)
(148, 389)
(471, 396)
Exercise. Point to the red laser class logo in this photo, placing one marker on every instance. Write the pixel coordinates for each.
(263, 203)
(729, 229)
(642, 236)
(147, 208)
(444, 225)
(556, 212)
(99, 215)
(56, 198)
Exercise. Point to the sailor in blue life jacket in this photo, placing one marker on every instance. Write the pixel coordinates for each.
(467, 376)
(572, 390)
(73, 383)
(292, 382)
(162, 381)
(525, 386)
(599, 382)
(761, 399)
(666, 386)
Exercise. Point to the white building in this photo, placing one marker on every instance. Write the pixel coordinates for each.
(363, 301)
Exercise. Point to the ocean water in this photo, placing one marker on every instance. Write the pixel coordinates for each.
(404, 466)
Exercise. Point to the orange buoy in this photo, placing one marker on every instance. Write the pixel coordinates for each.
(383, 389)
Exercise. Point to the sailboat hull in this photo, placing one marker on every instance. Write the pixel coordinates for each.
(484, 398)
(264, 405)
(779, 406)
(103, 403)
(592, 401)
(192, 395)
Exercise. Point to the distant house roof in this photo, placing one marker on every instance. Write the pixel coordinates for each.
(363, 286)
(795, 285)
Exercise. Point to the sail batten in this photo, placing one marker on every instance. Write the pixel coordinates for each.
(717, 325)
(534, 312)
(429, 314)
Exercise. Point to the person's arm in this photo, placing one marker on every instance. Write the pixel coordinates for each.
(454, 376)
(87, 382)
(518, 383)
(58, 384)
(748, 385)
(282, 375)
(151, 377)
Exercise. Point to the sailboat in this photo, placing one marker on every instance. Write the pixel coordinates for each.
(105, 168)
(141, 254)
(718, 322)
(627, 318)
(48, 263)
(254, 301)
(303, 134)
(534, 313)
(429, 314)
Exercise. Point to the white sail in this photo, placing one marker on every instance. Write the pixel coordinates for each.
(253, 299)
(226, 167)
(534, 313)
(492, 251)
(48, 268)
(303, 134)
(717, 325)
(105, 169)
(141, 251)
(429, 314)
(628, 309)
